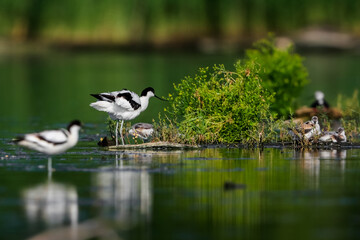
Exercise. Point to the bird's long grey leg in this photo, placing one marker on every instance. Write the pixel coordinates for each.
(122, 137)
(116, 132)
(49, 168)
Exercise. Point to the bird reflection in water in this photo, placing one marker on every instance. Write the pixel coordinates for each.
(126, 193)
(53, 203)
(333, 154)
(315, 159)
(320, 154)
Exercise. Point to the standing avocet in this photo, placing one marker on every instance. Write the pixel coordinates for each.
(123, 105)
(51, 142)
(320, 100)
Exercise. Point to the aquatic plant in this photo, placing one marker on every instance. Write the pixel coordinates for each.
(282, 72)
(220, 106)
(166, 130)
(351, 115)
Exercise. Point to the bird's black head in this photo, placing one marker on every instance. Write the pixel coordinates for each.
(314, 119)
(75, 122)
(150, 90)
(340, 130)
(146, 90)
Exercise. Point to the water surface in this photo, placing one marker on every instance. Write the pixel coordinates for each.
(162, 195)
(181, 194)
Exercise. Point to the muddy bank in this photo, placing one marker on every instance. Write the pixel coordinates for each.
(177, 146)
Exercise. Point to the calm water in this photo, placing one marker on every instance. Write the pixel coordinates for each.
(162, 195)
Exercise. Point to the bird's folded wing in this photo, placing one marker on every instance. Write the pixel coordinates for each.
(128, 100)
(109, 97)
(53, 136)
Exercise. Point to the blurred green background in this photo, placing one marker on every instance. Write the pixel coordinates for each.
(162, 22)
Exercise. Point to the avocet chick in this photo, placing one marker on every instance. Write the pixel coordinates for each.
(317, 125)
(326, 136)
(338, 136)
(142, 130)
(306, 130)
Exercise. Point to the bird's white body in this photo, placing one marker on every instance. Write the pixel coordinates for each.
(341, 137)
(319, 96)
(310, 134)
(327, 137)
(51, 141)
(317, 131)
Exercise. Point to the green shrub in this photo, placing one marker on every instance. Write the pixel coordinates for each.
(282, 73)
(220, 106)
(351, 115)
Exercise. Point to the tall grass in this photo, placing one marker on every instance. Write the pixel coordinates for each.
(159, 21)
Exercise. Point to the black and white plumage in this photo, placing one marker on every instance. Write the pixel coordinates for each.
(123, 105)
(320, 100)
(52, 141)
(306, 130)
(315, 121)
(336, 137)
(142, 130)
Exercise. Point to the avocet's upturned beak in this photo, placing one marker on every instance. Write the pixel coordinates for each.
(160, 98)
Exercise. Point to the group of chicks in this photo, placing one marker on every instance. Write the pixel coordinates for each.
(311, 130)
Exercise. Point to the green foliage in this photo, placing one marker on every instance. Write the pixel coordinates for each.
(111, 127)
(350, 106)
(351, 115)
(221, 106)
(282, 73)
(165, 130)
